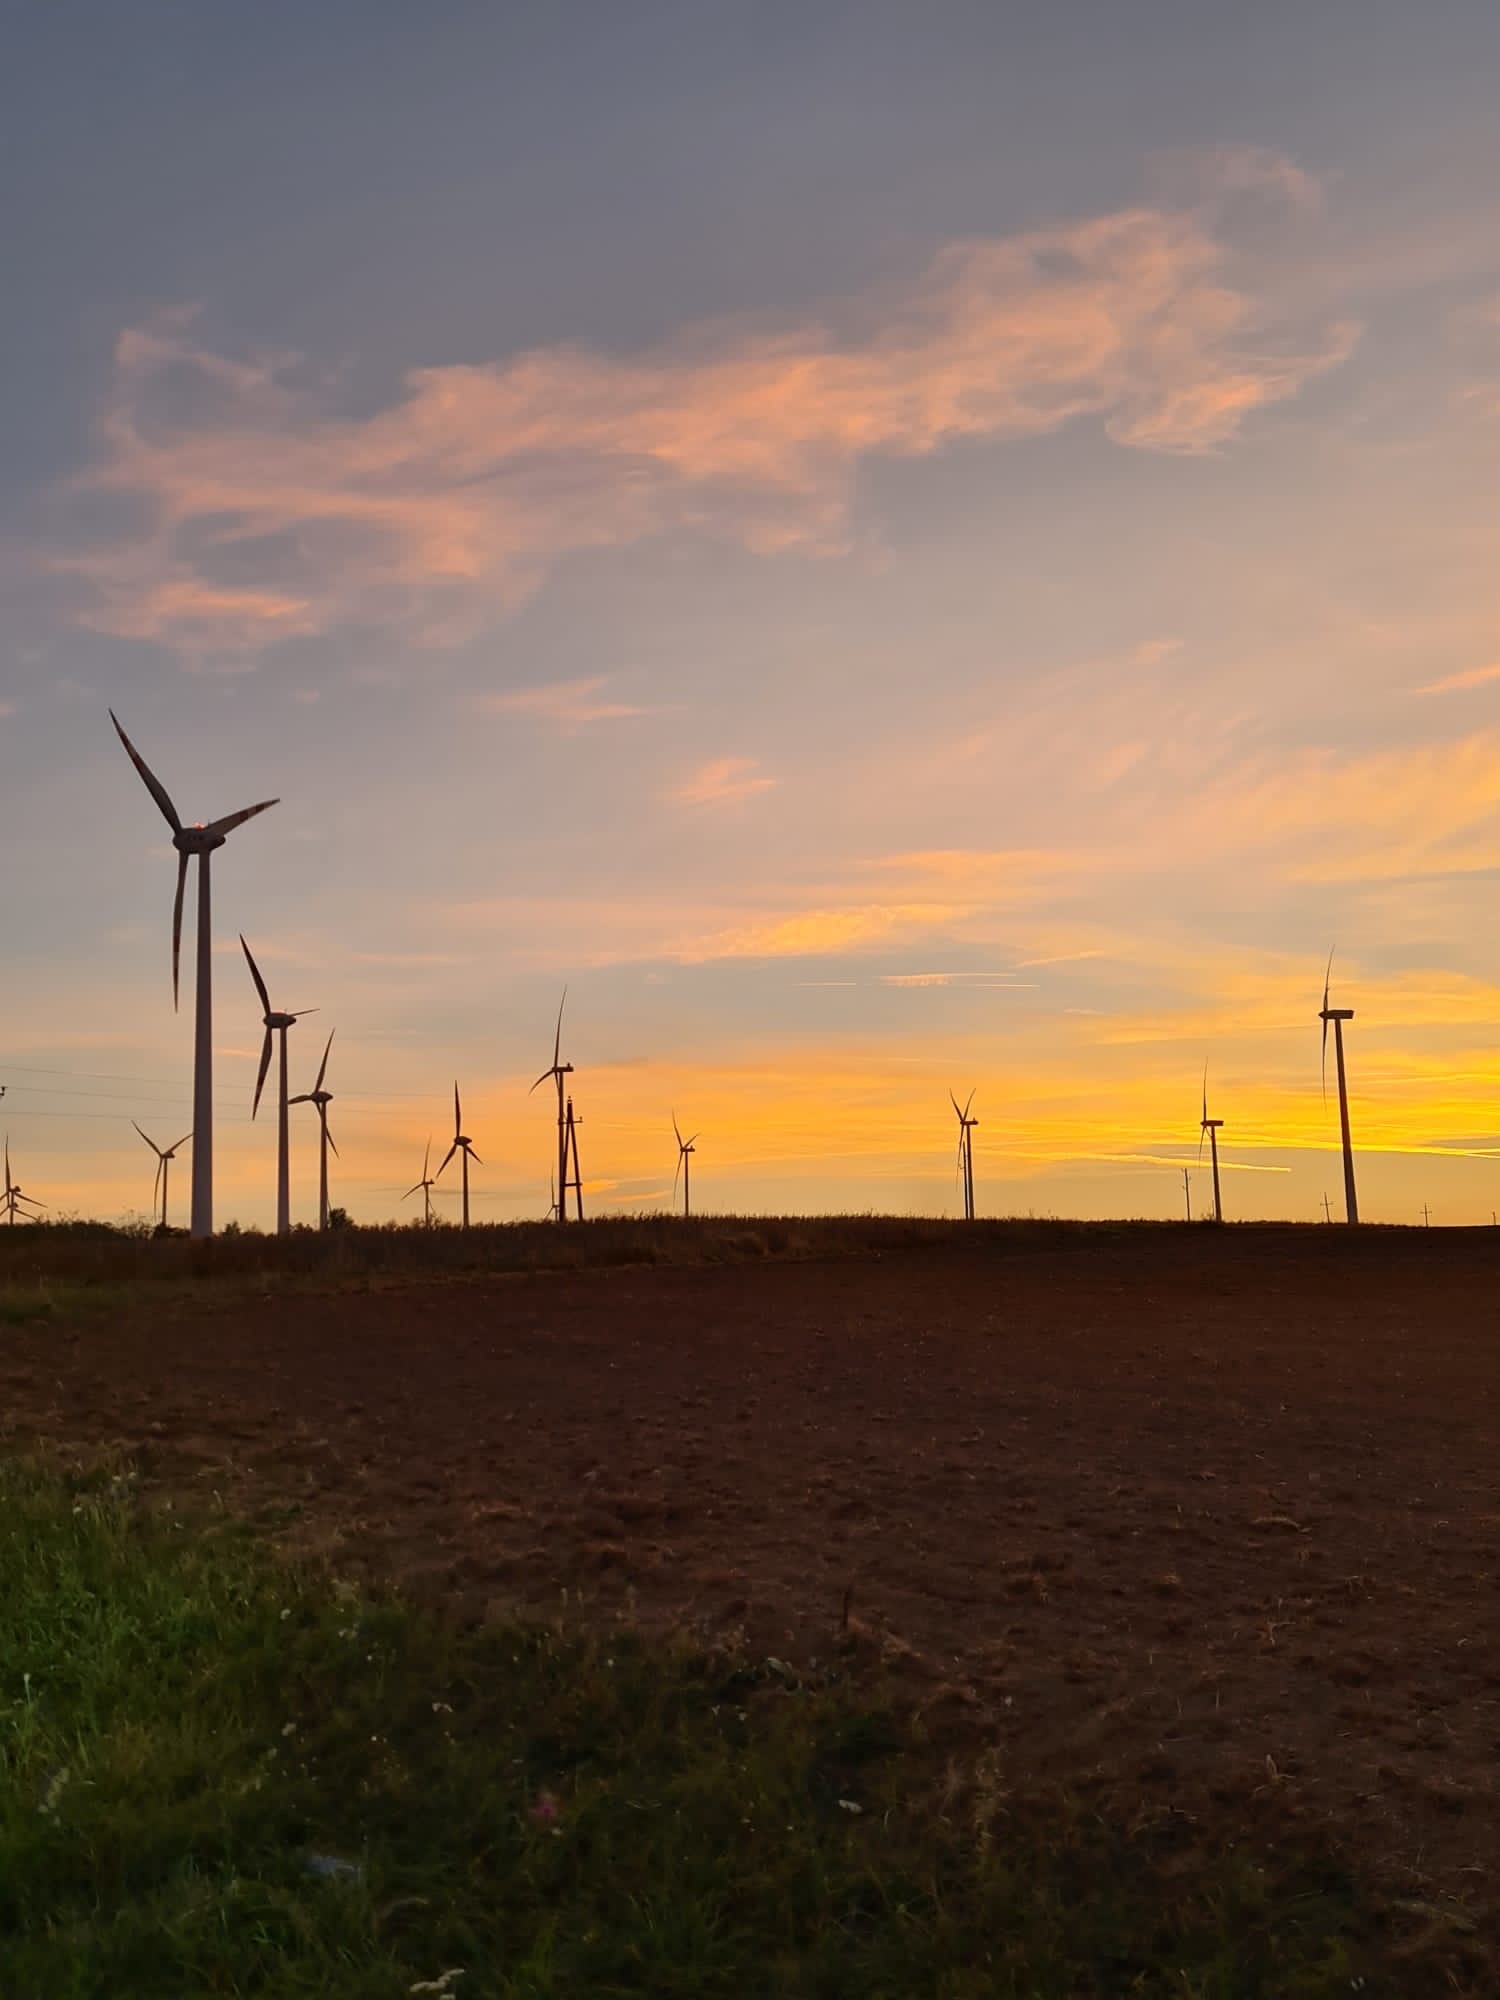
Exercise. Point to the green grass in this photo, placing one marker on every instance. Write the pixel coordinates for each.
(184, 1724)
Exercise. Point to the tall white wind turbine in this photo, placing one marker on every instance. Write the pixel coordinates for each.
(200, 840)
(1338, 1016)
(322, 1098)
(461, 1144)
(560, 1071)
(685, 1151)
(17, 1201)
(275, 1024)
(164, 1158)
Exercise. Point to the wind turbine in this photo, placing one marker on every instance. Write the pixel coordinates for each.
(17, 1201)
(463, 1145)
(275, 1024)
(570, 1151)
(322, 1098)
(425, 1184)
(164, 1159)
(559, 1070)
(1338, 1016)
(1210, 1126)
(966, 1126)
(685, 1151)
(200, 840)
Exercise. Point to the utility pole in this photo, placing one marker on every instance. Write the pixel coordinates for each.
(1426, 1217)
(1187, 1194)
(1327, 1210)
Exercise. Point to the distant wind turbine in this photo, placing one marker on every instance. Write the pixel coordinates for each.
(1210, 1127)
(322, 1098)
(572, 1175)
(1338, 1016)
(1187, 1193)
(276, 1024)
(685, 1151)
(461, 1144)
(200, 840)
(164, 1159)
(17, 1201)
(966, 1126)
(559, 1071)
(426, 1185)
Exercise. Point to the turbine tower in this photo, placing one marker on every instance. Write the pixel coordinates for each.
(275, 1024)
(966, 1126)
(463, 1145)
(1210, 1127)
(200, 840)
(322, 1098)
(425, 1184)
(17, 1201)
(163, 1161)
(559, 1071)
(685, 1151)
(571, 1178)
(1338, 1016)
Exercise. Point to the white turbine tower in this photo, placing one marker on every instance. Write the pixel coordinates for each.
(164, 1158)
(200, 840)
(276, 1024)
(461, 1144)
(322, 1098)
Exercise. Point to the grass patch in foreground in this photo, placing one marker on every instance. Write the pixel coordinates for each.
(218, 1778)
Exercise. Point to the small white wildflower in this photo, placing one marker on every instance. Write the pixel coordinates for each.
(442, 1708)
(441, 1987)
(286, 1613)
(849, 1805)
(289, 1729)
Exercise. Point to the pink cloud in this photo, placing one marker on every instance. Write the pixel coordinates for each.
(259, 511)
(1456, 683)
(724, 781)
(565, 704)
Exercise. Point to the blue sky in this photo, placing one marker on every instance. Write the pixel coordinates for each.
(887, 546)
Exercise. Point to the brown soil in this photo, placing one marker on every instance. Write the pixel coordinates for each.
(1186, 1521)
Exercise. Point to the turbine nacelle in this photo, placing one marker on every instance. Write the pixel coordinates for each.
(197, 839)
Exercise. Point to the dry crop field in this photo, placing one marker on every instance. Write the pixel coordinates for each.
(1196, 1523)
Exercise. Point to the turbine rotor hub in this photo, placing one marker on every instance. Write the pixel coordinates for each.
(197, 840)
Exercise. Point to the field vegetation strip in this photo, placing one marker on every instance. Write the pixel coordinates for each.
(219, 1775)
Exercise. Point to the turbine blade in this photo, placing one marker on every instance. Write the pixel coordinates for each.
(323, 1065)
(678, 1175)
(426, 1159)
(413, 1190)
(265, 1064)
(446, 1158)
(149, 1140)
(675, 1133)
(1325, 1061)
(328, 1135)
(182, 862)
(154, 784)
(1327, 977)
(542, 1079)
(260, 984)
(557, 1045)
(231, 820)
(474, 1156)
(181, 1142)
(156, 1181)
(458, 1116)
(1205, 1097)
(305, 1098)
(967, 1102)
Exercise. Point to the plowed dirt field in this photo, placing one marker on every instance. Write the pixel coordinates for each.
(1203, 1522)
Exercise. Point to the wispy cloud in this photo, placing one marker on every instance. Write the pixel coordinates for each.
(1456, 683)
(260, 510)
(724, 781)
(565, 705)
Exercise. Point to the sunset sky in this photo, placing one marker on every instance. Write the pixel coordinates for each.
(888, 546)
